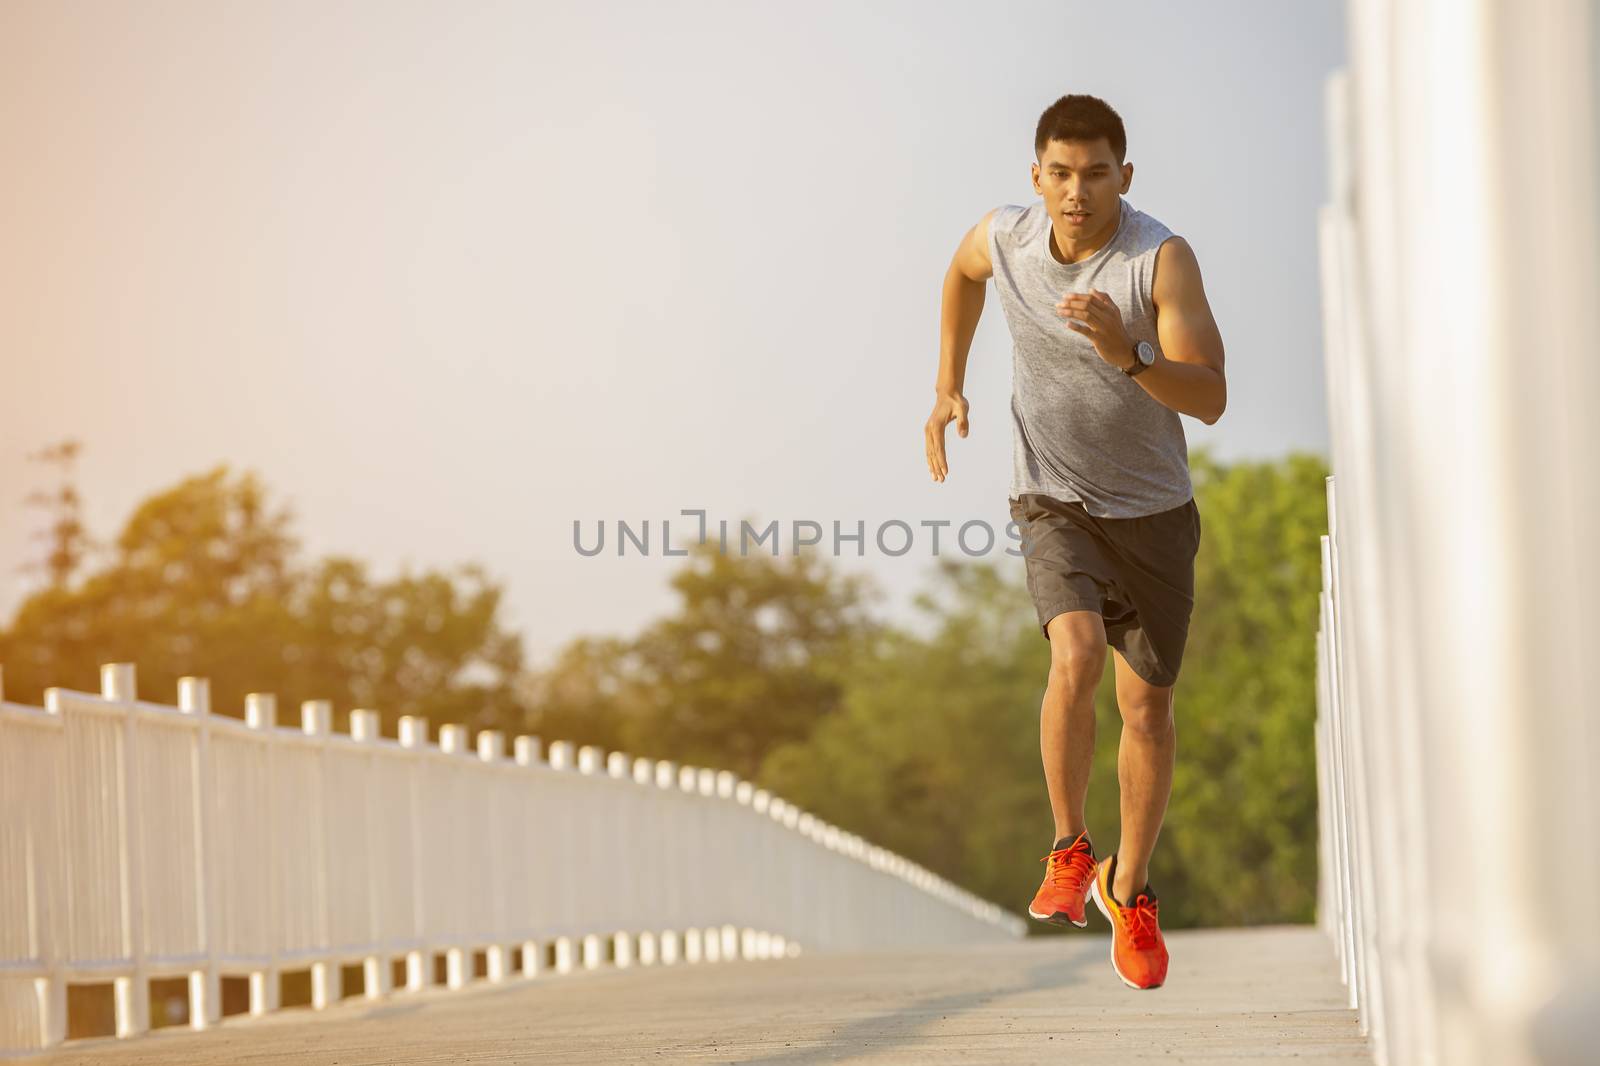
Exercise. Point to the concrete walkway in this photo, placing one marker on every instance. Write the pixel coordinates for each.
(1232, 996)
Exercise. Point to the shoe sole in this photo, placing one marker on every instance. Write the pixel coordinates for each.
(1094, 893)
(1058, 918)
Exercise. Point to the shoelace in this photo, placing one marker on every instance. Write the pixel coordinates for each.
(1072, 870)
(1140, 919)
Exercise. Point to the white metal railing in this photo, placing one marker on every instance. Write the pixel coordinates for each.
(1456, 740)
(141, 841)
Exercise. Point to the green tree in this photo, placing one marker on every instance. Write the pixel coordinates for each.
(68, 538)
(1241, 829)
(753, 656)
(583, 696)
(428, 644)
(197, 583)
(206, 579)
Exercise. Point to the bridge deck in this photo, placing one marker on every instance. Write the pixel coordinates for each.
(1256, 996)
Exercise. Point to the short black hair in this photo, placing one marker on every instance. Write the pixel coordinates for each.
(1078, 117)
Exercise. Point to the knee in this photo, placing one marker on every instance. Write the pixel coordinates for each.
(1148, 716)
(1077, 661)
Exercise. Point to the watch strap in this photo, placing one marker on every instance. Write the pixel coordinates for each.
(1138, 366)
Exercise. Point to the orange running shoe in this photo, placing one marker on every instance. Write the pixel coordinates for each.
(1066, 882)
(1138, 952)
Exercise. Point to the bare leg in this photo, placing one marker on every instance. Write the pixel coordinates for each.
(1066, 717)
(1144, 772)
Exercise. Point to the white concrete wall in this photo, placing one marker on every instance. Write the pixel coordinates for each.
(141, 841)
(1458, 738)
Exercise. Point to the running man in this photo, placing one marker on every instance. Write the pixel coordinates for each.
(1112, 339)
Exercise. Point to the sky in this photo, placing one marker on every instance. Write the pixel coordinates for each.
(450, 277)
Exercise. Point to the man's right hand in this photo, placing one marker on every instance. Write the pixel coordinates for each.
(948, 406)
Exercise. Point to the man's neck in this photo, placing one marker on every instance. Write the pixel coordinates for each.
(1067, 250)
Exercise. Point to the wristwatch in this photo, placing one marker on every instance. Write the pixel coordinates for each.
(1143, 356)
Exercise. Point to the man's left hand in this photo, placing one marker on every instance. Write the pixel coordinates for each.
(1095, 315)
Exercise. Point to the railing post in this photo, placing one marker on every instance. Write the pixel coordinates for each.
(414, 738)
(589, 764)
(703, 781)
(561, 758)
(643, 946)
(525, 750)
(563, 953)
(530, 958)
(492, 751)
(118, 683)
(453, 741)
(205, 986)
(261, 714)
(689, 854)
(664, 774)
(50, 991)
(327, 978)
(615, 873)
(376, 979)
(706, 786)
(746, 849)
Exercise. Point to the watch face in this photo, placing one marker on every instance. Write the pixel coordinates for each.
(1146, 353)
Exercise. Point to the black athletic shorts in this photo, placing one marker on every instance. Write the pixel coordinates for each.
(1137, 572)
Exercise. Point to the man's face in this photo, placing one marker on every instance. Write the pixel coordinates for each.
(1080, 182)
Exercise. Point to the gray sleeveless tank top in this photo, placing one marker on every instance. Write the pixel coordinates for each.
(1082, 430)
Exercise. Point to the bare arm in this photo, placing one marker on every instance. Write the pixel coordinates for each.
(961, 306)
(1189, 377)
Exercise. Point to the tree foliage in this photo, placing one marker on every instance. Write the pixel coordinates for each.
(755, 655)
(206, 579)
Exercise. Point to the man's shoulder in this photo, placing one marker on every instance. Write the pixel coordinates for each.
(1015, 220)
(1146, 233)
